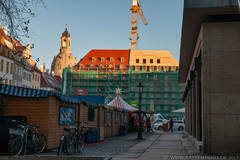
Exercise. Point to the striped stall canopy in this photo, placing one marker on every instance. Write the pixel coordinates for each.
(119, 103)
(34, 93)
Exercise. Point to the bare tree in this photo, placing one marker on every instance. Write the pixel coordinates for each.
(16, 15)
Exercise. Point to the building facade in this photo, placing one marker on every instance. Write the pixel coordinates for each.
(16, 64)
(65, 58)
(100, 72)
(209, 67)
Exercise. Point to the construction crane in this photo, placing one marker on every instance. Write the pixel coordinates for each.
(136, 8)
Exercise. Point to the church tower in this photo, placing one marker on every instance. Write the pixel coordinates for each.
(65, 58)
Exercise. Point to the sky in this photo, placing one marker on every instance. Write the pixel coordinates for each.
(104, 24)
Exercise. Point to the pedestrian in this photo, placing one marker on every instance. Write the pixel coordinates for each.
(149, 126)
(171, 124)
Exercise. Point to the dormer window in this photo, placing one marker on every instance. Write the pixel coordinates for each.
(93, 59)
(122, 59)
(111, 59)
(102, 59)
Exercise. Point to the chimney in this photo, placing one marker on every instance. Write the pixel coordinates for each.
(5, 29)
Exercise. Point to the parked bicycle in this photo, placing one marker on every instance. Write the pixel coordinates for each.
(26, 138)
(73, 139)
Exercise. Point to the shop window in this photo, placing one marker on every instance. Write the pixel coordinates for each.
(137, 60)
(151, 60)
(158, 60)
(91, 114)
(144, 60)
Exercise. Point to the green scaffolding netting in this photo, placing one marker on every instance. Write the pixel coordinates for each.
(161, 92)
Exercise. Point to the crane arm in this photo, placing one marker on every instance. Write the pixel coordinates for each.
(142, 16)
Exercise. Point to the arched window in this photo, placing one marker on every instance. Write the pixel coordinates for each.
(64, 43)
(122, 59)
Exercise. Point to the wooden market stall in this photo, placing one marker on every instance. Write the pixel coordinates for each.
(50, 110)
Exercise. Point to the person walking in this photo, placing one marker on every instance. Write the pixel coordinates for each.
(171, 124)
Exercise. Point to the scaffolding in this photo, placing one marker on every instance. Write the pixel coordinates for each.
(162, 92)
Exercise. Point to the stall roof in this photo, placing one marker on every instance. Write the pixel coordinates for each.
(34, 93)
(119, 103)
(95, 99)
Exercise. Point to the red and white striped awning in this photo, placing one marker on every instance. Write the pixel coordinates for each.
(119, 103)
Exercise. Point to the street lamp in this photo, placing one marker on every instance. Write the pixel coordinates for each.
(140, 86)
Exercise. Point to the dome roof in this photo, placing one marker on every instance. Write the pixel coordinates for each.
(66, 33)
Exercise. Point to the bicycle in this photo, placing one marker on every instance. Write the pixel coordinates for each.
(26, 139)
(72, 140)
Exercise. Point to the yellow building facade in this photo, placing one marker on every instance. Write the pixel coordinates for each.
(152, 60)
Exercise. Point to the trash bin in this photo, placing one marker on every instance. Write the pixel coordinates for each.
(122, 131)
(165, 125)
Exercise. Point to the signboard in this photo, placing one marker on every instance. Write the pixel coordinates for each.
(79, 91)
(67, 115)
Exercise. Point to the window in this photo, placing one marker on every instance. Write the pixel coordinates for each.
(144, 60)
(158, 60)
(121, 66)
(111, 59)
(177, 68)
(140, 68)
(91, 114)
(147, 68)
(102, 59)
(133, 68)
(137, 60)
(151, 60)
(2, 64)
(7, 67)
(155, 68)
(118, 118)
(117, 66)
(169, 69)
(122, 59)
(93, 59)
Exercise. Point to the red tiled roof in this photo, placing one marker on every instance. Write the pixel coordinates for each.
(2, 34)
(16, 44)
(106, 54)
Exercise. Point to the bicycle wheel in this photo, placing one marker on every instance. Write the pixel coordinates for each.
(15, 146)
(40, 143)
(80, 146)
(70, 144)
(60, 148)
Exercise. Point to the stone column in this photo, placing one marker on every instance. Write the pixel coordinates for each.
(193, 90)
